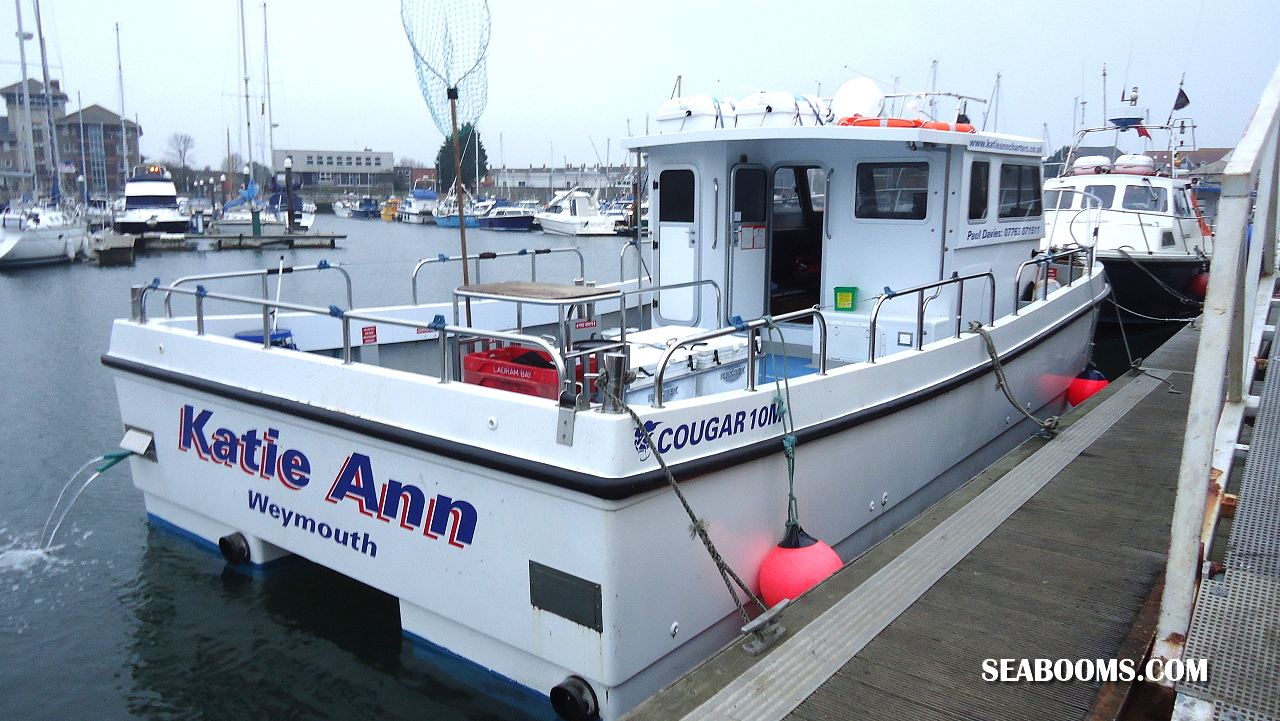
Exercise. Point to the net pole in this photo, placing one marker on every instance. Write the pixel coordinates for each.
(457, 191)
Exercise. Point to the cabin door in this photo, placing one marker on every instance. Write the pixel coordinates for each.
(677, 245)
(748, 236)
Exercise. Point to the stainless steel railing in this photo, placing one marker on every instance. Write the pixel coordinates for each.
(265, 273)
(751, 328)
(918, 341)
(1045, 259)
(532, 254)
(138, 301)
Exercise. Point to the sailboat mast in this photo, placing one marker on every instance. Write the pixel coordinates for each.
(124, 134)
(271, 119)
(29, 157)
(248, 121)
(51, 137)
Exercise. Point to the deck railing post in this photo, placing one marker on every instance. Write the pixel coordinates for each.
(137, 303)
(346, 341)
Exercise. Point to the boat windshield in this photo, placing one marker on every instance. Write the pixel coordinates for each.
(1147, 198)
(150, 201)
(1104, 193)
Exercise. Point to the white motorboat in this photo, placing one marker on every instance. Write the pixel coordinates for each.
(517, 512)
(575, 212)
(419, 206)
(151, 204)
(38, 235)
(1143, 222)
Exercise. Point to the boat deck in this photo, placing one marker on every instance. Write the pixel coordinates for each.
(1054, 552)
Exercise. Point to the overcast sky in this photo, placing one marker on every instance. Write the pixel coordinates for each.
(565, 73)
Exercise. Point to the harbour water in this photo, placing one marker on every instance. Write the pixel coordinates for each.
(126, 620)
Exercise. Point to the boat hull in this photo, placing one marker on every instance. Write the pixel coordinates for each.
(466, 566)
(517, 223)
(576, 226)
(451, 221)
(140, 227)
(40, 246)
(1139, 286)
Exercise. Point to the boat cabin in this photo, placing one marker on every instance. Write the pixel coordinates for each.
(788, 218)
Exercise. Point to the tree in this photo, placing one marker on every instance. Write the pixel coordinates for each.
(468, 140)
(180, 146)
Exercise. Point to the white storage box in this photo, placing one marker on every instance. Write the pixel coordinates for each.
(1091, 165)
(779, 110)
(713, 366)
(847, 335)
(1135, 165)
(696, 112)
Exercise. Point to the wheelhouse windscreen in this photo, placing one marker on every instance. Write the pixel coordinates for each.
(150, 201)
(1020, 191)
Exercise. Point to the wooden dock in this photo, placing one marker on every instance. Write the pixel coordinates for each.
(116, 249)
(1055, 552)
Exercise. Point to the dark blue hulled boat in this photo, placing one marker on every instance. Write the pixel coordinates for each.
(366, 208)
(505, 216)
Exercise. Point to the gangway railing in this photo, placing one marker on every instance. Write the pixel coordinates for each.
(265, 273)
(533, 263)
(751, 328)
(1239, 298)
(1046, 259)
(957, 280)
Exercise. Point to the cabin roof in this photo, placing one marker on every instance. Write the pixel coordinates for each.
(981, 142)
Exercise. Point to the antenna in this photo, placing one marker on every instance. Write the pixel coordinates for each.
(677, 90)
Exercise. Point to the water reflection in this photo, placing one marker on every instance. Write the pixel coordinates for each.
(295, 641)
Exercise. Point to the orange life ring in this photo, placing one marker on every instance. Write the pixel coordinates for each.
(858, 121)
(953, 127)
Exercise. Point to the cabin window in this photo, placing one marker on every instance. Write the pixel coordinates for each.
(675, 196)
(817, 188)
(979, 189)
(1106, 194)
(1181, 205)
(1146, 198)
(749, 194)
(1059, 199)
(892, 191)
(1019, 191)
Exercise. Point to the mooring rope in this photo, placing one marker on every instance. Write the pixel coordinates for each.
(1048, 426)
(1180, 297)
(1135, 364)
(782, 388)
(697, 527)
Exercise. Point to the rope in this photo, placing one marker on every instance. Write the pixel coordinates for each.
(782, 388)
(1048, 426)
(1148, 317)
(1135, 364)
(697, 526)
(1181, 298)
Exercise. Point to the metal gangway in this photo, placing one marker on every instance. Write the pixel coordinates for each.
(1229, 615)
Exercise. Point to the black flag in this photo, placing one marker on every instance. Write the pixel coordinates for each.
(1182, 101)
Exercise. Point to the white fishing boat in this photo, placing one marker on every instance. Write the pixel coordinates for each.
(1142, 220)
(574, 212)
(474, 467)
(151, 204)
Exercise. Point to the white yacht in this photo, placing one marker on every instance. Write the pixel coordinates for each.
(1144, 224)
(468, 465)
(575, 212)
(151, 204)
(37, 235)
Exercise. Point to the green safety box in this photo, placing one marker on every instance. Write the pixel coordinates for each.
(846, 299)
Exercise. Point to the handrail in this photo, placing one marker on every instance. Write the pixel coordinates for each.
(533, 260)
(1239, 296)
(139, 304)
(957, 280)
(264, 272)
(1044, 259)
(751, 328)
(1095, 209)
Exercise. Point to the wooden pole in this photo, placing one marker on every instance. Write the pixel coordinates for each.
(457, 190)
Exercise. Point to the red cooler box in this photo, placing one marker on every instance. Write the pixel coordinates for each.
(513, 368)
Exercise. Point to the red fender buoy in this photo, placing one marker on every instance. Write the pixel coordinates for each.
(798, 563)
(1083, 386)
(1198, 285)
